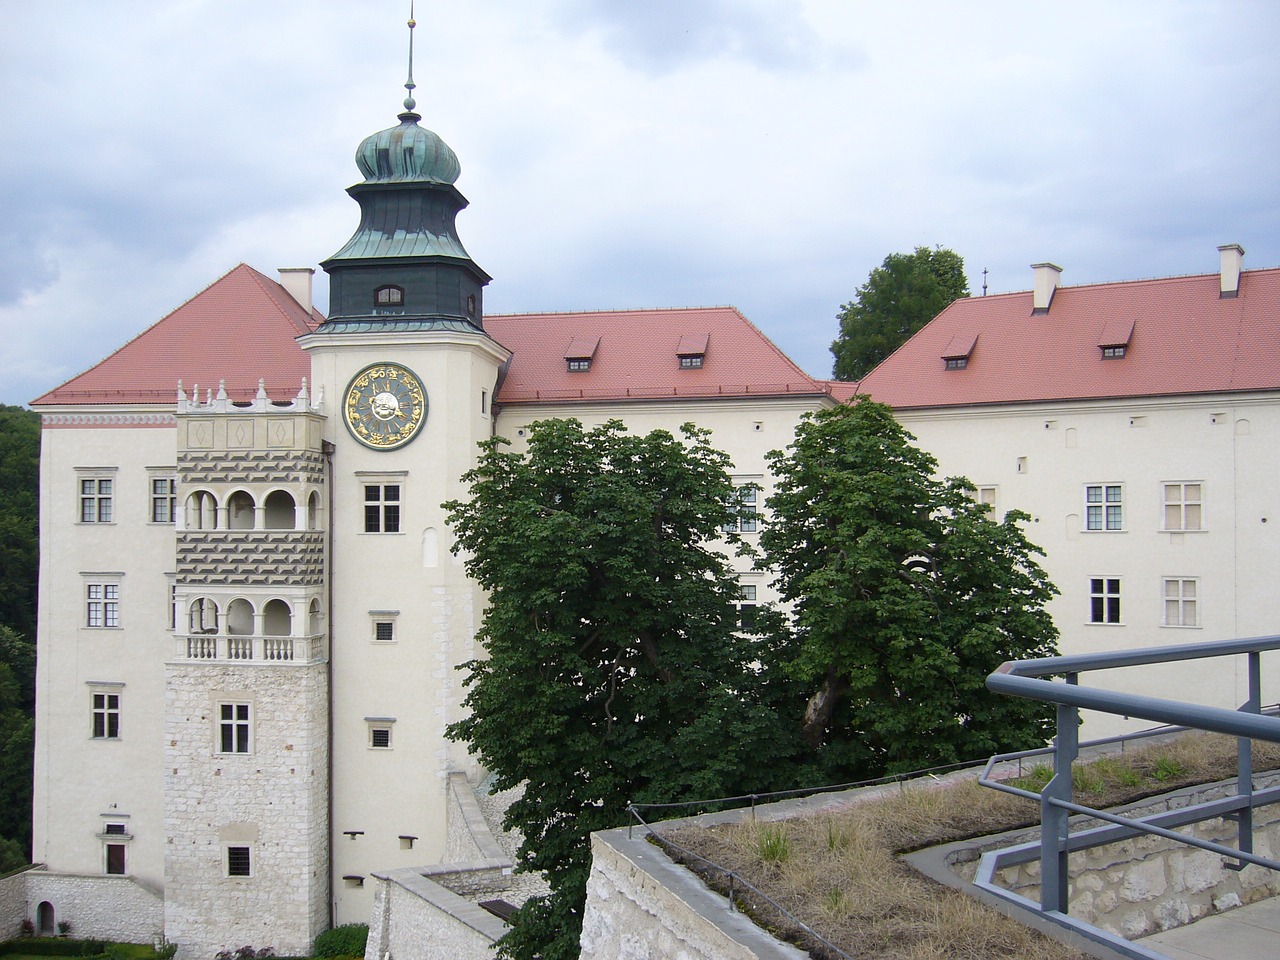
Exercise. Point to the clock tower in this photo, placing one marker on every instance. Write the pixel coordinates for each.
(412, 373)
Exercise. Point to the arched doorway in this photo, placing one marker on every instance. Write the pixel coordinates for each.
(44, 919)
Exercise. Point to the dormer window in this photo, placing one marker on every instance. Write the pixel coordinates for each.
(955, 356)
(388, 296)
(1114, 342)
(692, 350)
(579, 353)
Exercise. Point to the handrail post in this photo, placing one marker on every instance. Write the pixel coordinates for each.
(1054, 820)
(1244, 758)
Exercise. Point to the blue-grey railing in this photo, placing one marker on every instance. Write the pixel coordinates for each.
(1032, 679)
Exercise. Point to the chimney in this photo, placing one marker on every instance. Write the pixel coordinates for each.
(1045, 278)
(297, 280)
(1229, 284)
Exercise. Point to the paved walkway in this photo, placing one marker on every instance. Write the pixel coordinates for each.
(1246, 933)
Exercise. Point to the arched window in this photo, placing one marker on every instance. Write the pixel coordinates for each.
(240, 511)
(202, 511)
(313, 619)
(279, 512)
(313, 511)
(204, 616)
(240, 617)
(388, 296)
(277, 619)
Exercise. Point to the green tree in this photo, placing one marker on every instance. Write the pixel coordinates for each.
(19, 492)
(905, 595)
(614, 672)
(900, 296)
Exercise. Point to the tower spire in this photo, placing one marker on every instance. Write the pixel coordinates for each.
(409, 102)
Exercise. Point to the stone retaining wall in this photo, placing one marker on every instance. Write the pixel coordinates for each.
(1148, 884)
(416, 918)
(97, 907)
(13, 904)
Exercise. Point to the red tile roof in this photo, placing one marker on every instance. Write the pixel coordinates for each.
(239, 329)
(637, 357)
(1184, 340)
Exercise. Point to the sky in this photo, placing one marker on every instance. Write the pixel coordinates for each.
(622, 154)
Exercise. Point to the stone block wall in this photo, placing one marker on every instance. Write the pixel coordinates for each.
(1148, 884)
(101, 907)
(13, 904)
(416, 918)
(271, 799)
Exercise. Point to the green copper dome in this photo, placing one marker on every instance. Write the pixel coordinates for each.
(407, 153)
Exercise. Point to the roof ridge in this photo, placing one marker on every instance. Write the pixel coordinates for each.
(594, 313)
(283, 300)
(142, 333)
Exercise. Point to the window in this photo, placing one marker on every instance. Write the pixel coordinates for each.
(382, 508)
(238, 862)
(102, 605)
(1180, 603)
(1104, 600)
(691, 363)
(747, 608)
(1183, 506)
(384, 625)
(106, 716)
(1104, 507)
(389, 296)
(164, 499)
(955, 363)
(986, 496)
(380, 732)
(1113, 353)
(745, 520)
(95, 500)
(579, 364)
(233, 728)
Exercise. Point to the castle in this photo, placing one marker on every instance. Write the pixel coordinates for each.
(250, 616)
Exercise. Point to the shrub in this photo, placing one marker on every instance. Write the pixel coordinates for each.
(347, 940)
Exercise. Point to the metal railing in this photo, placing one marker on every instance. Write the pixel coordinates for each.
(1031, 679)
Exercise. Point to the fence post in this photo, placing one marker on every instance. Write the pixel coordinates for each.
(1054, 825)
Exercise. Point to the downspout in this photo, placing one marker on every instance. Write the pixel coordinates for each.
(327, 448)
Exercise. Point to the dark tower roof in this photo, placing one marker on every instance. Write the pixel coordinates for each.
(405, 268)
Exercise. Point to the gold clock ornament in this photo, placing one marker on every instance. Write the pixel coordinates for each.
(385, 406)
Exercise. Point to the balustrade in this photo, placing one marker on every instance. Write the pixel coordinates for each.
(249, 649)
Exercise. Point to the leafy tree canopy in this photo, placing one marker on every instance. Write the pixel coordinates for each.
(905, 595)
(614, 672)
(900, 296)
(19, 491)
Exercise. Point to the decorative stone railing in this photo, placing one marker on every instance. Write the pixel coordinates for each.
(237, 648)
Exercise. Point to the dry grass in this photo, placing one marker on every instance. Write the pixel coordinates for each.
(840, 872)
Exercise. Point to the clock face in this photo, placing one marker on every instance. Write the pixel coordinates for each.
(385, 406)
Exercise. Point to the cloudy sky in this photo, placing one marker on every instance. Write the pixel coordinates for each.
(626, 153)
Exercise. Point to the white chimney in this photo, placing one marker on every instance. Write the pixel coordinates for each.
(1229, 284)
(297, 280)
(1045, 278)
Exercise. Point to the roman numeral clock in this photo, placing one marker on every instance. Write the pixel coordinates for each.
(385, 406)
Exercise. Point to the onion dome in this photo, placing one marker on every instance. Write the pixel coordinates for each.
(407, 152)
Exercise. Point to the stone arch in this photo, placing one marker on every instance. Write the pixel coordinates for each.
(277, 618)
(240, 617)
(313, 511)
(240, 511)
(313, 619)
(201, 511)
(279, 511)
(202, 615)
(45, 925)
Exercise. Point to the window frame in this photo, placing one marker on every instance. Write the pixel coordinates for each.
(1105, 607)
(748, 608)
(1102, 508)
(101, 599)
(394, 296)
(381, 618)
(746, 513)
(235, 729)
(159, 498)
(377, 522)
(96, 504)
(105, 713)
(380, 726)
(1182, 601)
(1181, 505)
(230, 867)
